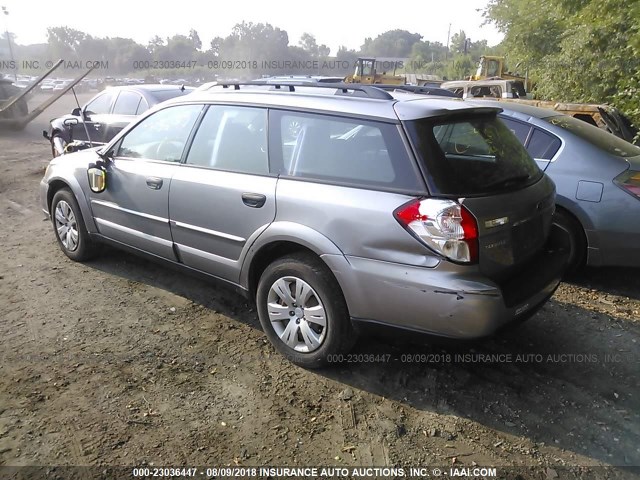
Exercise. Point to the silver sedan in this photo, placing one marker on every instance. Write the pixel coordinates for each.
(597, 176)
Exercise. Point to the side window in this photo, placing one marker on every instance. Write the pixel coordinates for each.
(143, 106)
(232, 138)
(521, 130)
(343, 150)
(161, 136)
(127, 103)
(99, 105)
(543, 145)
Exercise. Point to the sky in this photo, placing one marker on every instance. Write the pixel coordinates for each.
(333, 23)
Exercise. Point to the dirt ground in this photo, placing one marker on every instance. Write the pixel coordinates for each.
(122, 362)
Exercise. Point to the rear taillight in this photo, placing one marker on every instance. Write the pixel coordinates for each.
(445, 226)
(629, 181)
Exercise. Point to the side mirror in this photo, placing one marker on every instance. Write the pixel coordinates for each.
(97, 178)
(76, 112)
(70, 121)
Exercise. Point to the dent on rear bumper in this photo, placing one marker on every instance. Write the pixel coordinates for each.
(438, 301)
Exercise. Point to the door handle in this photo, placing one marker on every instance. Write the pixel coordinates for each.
(154, 183)
(254, 200)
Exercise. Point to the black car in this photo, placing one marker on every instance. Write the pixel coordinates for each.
(105, 115)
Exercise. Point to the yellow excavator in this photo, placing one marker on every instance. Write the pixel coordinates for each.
(493, 67)
(371, 71)
(375, 71)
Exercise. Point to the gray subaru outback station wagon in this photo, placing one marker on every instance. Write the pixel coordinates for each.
(330, 206)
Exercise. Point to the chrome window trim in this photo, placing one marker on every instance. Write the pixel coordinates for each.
(207, 231)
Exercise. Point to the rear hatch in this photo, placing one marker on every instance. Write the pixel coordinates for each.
(473, 158)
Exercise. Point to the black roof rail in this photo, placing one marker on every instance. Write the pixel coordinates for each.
(369, 91)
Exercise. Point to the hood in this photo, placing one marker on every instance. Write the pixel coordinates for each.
(78, 159)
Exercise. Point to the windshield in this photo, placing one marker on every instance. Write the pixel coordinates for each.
(471, 156)
(595, 136)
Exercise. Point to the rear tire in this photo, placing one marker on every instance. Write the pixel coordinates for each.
(577, 240)
(303, 312)
(69, 227)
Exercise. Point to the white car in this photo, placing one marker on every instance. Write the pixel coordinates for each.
(60, 85)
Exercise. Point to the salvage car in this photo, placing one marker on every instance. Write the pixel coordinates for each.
(597, 176)
(605, 117)
(381, 208)
(105, 115)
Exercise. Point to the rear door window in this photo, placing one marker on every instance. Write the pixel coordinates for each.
(543, 145)
(471, 156)
(100, 105)
(540, 144)
(143, 106)
(341, 150)
(127, 103)
(232, 138)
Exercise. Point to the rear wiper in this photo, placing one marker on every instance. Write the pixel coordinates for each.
(506, 182)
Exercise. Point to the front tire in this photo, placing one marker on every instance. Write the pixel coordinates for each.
(303, 312)
(69, 227)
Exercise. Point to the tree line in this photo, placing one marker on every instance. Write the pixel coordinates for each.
(252, 50)
(576, 50)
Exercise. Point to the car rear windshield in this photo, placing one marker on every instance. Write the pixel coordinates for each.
(471, 156)
(595, 136)
(162, 95)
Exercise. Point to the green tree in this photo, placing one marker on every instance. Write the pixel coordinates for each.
(123, 52)
(457, 42)
(215, 46)
(393, 43)
(195, 39)
(179, 48)
(309, 44)
(576, 50)
(65, 42)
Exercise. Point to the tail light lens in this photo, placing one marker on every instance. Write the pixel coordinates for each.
(445, 226)
(629, 181)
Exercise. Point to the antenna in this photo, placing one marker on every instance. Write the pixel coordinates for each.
(84, 124)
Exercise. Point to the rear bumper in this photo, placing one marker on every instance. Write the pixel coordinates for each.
(445, 301)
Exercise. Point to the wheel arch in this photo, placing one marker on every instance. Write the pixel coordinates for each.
(586, 257)
(571, 214)
(281, 239)
(56, 184)
(573, 209)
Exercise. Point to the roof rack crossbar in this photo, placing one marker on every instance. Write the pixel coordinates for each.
(369, 90)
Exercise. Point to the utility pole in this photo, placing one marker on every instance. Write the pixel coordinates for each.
(6, 29)
(446, 54)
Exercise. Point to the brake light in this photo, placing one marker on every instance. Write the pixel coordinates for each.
(629, 181)
(445, 226)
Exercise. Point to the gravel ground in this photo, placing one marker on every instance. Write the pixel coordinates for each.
(122, 362)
